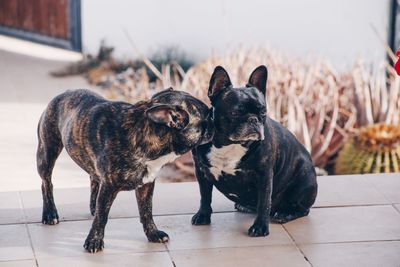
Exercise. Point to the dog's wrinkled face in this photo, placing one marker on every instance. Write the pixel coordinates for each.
(239, 113)
(197, 127)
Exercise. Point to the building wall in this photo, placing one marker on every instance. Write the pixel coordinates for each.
(340, 30)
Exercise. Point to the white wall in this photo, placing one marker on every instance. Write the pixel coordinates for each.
(337, 29)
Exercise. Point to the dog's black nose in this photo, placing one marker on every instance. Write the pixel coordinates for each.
(253, 119)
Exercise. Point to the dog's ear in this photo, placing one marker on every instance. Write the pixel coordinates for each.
(258, 78)
(219, 80)
(169, 115)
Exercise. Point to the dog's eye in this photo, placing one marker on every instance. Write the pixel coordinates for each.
(174, 117)
(234, 113)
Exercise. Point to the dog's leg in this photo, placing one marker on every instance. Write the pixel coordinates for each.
(144, 196)
(94, 241)
(260, 226)
(297, 201)
(203, 215)
(49, 148)
(94, 190)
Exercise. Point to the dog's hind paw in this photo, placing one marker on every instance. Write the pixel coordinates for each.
(157, 236)
(93, 245)
(284, 217)
(50, 217)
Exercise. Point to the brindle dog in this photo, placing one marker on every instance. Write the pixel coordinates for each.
(121, 146)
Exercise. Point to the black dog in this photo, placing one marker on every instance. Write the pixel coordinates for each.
(121, 146)
(252, 159)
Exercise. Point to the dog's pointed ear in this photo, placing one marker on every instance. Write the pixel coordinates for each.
(219, 80)
(258, 78)
(169, 115)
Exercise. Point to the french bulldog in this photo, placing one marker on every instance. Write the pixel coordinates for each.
(121, 146)
(253, 160)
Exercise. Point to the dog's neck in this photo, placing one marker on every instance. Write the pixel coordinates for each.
(145, 137)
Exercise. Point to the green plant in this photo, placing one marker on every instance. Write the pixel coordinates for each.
(372, 149)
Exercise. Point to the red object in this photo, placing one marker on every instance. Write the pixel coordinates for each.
(397, 65)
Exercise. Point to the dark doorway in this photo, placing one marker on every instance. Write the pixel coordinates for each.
(56, 23)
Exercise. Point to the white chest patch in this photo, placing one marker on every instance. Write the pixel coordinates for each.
(154, 166)
(225, 159)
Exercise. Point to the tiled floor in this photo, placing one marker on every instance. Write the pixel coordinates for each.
(355, 222)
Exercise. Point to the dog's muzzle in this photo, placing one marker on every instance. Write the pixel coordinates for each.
(257, 129)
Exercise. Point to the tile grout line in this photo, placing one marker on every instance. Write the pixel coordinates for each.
(298, 248)
(350, 242)
(368, 181)
(394, 206)
(169, 255)
(353, 205)
(27, 228)
(290, 244)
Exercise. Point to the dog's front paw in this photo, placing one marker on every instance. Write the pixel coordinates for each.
(50, 217)
(201, 218)
(157, 236)
(93, 245)
(258, 229)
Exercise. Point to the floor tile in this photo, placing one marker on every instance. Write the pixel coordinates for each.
(366, 223)
(387, 184)
(73, 204)
(251, 256)
(10, 208)
(225, 230)
(347, 190)
(181, 198)
(14, 243)
(366, 254)
(66, 239)
(159, 259)
(24, 263)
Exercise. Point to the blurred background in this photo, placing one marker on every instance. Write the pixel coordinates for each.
(331, 77)
(342, 30)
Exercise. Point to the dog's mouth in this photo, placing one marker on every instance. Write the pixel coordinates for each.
(255, 135)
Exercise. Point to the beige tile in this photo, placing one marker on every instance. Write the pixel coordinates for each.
(226, 230)
(25, 263)
(67, 238)
(10, 208)
(366, 254)
(173, 198)
(251, 256)
(14, 243)
(180, 198)
(159, 259)
(346, 224)
(73, 204)
(347, 190)
(387, 184)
